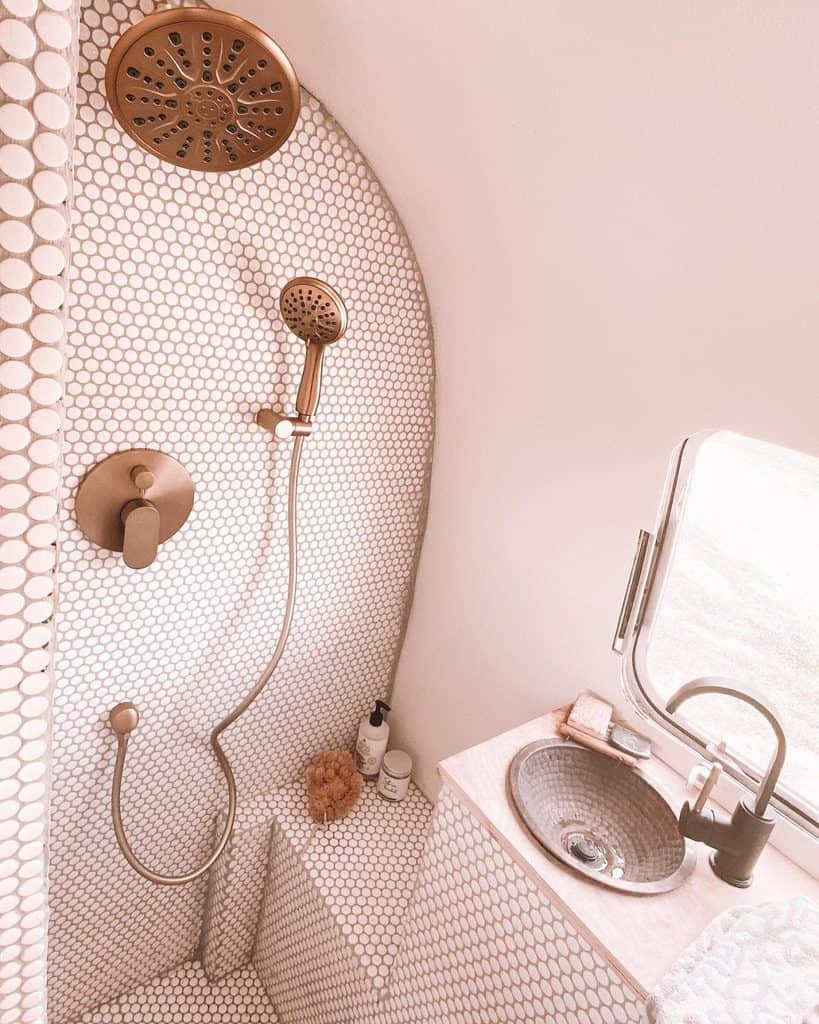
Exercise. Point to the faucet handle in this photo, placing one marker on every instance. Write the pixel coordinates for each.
(705, 775)
(143, 479)
(702, 779)
(140, 539)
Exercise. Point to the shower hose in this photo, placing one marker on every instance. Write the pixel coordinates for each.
(238, 711)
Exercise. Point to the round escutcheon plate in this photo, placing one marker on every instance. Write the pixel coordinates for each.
(108, 486)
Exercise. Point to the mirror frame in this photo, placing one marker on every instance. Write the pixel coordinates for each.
(638, 615)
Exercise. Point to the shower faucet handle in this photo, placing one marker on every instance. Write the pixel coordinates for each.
(140, 538)
(283, 427)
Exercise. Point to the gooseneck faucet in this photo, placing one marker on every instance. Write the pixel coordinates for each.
(737, 840)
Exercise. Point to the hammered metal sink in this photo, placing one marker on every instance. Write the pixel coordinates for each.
(601, 818)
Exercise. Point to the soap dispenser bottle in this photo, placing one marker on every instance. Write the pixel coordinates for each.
(373, 733)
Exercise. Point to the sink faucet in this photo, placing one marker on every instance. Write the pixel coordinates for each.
(739, 840)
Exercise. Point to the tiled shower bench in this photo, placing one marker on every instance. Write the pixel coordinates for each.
(318, 908)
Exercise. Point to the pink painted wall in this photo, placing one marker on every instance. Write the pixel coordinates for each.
(615, 209)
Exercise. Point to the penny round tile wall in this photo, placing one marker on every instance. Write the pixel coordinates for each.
(482, 943)
(35, 127)
(185, 996)
(174, 341)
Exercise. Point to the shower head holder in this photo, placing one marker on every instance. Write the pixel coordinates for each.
(283, 427)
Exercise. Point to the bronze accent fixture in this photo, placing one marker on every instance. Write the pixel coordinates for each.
(313, 310)
(201, 88)
(737, 841)
(284, 427)
(133, 501)
(312, 307)
(315, 313)
(124, 718)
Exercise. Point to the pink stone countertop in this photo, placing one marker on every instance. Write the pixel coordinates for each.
(639, 936)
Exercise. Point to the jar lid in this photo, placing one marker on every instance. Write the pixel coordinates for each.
(397, 763)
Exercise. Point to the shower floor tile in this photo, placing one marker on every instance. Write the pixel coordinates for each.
(187, 995)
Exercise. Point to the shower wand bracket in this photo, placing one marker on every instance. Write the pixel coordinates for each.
(283, 427)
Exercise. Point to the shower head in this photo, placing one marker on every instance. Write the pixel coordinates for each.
(315, 313)
(313, 310)
(201, 88)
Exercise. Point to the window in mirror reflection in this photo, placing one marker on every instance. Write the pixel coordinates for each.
(742, 600)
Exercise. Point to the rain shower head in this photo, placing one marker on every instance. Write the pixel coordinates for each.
(201, 88)
(315, 313)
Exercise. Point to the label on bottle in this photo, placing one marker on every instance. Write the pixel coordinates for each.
(368, 754)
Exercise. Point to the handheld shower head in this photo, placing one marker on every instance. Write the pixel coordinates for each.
(201, 88)
(313, 310)
(315, 313)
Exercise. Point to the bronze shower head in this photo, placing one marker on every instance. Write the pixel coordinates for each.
(315, 313)
(313, 310)
(201, 88)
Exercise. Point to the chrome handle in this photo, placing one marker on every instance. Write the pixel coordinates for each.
(634, 578)
(140, 541)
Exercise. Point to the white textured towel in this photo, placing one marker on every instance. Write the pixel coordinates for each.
(751, 965)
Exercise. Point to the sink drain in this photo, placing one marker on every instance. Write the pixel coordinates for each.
(584, 849)
(591, 851)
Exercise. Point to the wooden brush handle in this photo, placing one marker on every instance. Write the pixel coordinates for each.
(594, 744)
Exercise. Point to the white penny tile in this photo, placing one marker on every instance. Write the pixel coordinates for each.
(482, 944)
(187, 997)
(30, 414)
(335, 900)
(174, 342)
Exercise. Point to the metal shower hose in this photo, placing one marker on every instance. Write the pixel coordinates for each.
(224, 764)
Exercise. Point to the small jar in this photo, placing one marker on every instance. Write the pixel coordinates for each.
(394, 776)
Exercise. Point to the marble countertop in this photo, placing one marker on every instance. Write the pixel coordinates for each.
(639, 936)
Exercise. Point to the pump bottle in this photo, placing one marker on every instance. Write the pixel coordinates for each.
(373, 733)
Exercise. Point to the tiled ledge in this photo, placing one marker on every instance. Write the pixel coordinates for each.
(335, 899)
(364, 866)
(318, 907)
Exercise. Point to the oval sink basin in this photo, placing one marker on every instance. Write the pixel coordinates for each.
(599, 817)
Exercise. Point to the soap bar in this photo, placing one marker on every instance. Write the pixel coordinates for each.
(591, 715)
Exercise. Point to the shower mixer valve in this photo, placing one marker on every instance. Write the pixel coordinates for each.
(133, 501)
